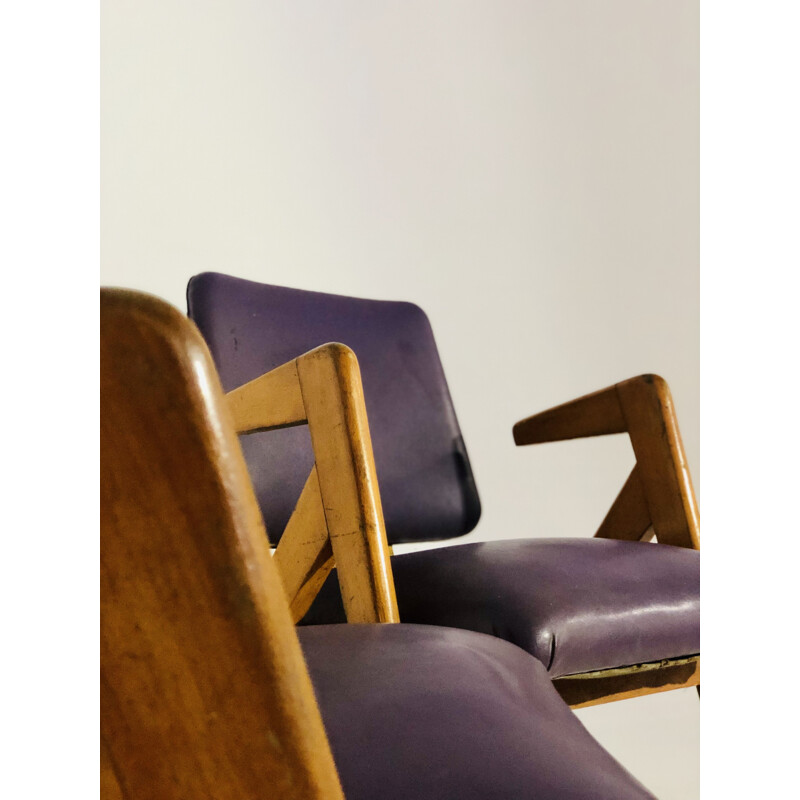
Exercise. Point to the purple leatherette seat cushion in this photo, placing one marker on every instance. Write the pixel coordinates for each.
(427, 489)
(414, 711)
(577, 605)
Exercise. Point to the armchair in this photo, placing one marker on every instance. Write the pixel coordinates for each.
(609, 617)
(207, 688)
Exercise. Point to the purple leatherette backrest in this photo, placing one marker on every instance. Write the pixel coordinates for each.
(426, 483)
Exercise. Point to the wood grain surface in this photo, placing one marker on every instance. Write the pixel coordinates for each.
(204, 692)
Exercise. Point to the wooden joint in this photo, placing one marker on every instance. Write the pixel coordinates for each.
(629, 517)
(658, 497)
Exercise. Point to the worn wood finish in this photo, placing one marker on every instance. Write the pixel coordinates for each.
(606, 686)
(643, 408)
(341, 501)
(204, 692)
(628, 518)
(337, 419)
(304, 556)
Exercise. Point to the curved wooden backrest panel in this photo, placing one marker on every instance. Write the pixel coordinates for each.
(204, 692)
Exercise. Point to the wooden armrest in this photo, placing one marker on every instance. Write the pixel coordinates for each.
(204, 691)
(338, 519)
(658, 494)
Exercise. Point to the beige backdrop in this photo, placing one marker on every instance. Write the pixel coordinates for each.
(525, 171)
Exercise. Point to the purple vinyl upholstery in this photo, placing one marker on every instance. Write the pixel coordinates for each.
(415, 711)
(425, 478)
(577, 605)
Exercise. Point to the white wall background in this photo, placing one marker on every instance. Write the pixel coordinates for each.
(525, 171)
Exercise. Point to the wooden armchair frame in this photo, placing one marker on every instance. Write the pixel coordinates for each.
(657, 500)
(338, 520)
